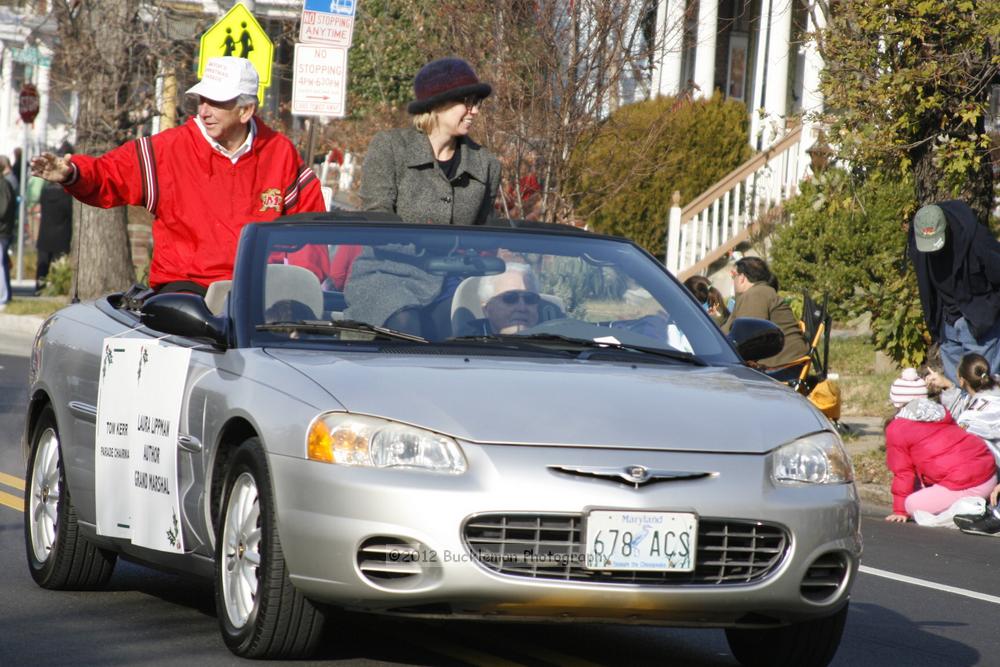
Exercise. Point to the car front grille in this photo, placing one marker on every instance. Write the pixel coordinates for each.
(551, 546)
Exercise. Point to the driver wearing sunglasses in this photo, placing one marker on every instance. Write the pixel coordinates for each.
(510, 299)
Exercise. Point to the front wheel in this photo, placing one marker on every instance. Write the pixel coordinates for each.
(59, 557)
(261, 614)
(811, 643)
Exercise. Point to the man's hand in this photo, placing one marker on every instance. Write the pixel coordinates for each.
(51, 168)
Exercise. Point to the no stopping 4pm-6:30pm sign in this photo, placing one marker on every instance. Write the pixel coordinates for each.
(319, 84)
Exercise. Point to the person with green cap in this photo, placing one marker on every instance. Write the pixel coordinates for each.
(957, 262)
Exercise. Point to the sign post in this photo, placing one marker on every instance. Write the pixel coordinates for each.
(27, 107)
(319, 75)
(319, 79)
(239, 34)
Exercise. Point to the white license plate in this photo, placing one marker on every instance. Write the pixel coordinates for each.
(641, 541)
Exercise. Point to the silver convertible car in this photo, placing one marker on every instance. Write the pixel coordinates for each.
(515, 422)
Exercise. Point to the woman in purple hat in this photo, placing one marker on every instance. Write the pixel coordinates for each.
(434, 172)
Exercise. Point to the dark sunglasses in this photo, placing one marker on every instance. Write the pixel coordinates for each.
(527, 298)
(473, 102)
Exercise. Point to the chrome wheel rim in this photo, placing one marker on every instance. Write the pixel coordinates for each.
(241, 551)
(44, 495)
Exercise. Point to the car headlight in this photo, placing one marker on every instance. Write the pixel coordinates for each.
(355, 440)
(819, 458)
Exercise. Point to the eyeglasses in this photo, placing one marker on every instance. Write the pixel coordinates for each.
(473, 102)
(527, 298)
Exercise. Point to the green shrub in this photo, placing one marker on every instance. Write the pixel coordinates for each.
(621, 178)
(898, 327)
(843, 232)
(59, 279)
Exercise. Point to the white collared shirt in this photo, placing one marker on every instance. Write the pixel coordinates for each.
(239, 152)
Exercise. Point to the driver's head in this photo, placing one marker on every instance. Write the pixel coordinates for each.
(510, 299)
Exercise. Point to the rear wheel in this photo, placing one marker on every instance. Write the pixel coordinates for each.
(811, 643)
(261, 614)
(58, 556)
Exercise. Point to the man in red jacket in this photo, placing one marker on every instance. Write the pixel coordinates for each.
(203, 181)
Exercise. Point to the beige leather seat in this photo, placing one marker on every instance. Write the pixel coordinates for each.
(215, 296)
(465, 307)
(293, 290)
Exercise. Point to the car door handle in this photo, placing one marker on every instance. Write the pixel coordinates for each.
(189, 443)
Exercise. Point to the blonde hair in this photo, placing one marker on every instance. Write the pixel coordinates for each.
(425, 122)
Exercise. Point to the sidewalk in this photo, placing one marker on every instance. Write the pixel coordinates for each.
(20, 325)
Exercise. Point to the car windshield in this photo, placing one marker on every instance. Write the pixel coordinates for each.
(527, 290)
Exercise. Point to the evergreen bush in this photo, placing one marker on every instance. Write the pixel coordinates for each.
(844, 237)
(842, 232)
(59, 278)
(622, 176)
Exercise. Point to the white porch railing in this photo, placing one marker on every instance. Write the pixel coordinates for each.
(723, 217)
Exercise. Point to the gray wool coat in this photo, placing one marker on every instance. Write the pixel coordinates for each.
(401, 176)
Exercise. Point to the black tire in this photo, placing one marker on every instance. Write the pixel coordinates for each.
(261, 614)
(812, 643)
(59, 558)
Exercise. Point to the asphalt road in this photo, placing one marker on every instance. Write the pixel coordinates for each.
(926, 596)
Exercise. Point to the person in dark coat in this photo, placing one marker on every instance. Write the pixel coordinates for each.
(957, 262)
(55, 229)
(432, 172)
(8, 227)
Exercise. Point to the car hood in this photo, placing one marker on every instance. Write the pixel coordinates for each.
(566, 403)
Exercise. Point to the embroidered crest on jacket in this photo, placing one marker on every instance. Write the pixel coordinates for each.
(270, 199)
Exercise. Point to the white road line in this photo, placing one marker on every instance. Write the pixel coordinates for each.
(864, 569)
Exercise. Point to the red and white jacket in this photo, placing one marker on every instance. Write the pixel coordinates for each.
(199, 198)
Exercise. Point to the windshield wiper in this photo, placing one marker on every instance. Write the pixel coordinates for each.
(585, 343)
(324, 326)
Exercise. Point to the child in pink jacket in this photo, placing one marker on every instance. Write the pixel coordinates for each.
(924, 443)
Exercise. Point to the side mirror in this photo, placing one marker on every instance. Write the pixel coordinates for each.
(756, 339)
(183, 315)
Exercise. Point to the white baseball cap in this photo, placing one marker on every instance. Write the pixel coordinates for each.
(226, 78)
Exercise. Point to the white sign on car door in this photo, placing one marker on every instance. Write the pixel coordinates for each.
(138, 414)
(319, 82)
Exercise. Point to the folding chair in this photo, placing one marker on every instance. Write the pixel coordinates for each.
(815, 324)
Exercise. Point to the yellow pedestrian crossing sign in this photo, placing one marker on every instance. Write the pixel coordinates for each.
(238, 34)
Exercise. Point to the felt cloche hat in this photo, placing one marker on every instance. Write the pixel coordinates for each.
(444, 80)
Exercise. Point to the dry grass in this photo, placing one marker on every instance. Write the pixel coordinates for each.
(42, 306)
(869, 467)
(863, 391)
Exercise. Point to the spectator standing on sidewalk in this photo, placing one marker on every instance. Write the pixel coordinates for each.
(203, 181)
(957, 262)
(8, 226)
(55, 228)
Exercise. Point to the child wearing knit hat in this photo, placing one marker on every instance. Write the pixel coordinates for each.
(907, 387)
(924, 444)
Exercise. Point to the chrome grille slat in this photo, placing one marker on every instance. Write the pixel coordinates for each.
(728, 551)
